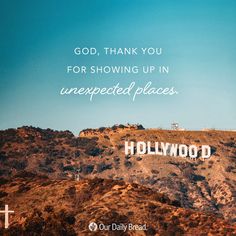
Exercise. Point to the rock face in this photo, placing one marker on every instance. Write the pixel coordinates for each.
(204, 186)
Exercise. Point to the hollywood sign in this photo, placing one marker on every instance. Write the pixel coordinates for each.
(167, 149)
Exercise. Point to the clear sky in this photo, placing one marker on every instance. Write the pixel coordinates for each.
(37, 41)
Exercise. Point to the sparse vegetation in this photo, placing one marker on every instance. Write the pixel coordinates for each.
(128, 164)
(103, 166)
(27, 153)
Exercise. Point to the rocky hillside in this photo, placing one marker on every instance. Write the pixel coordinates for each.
(64, 207)
(207, 186)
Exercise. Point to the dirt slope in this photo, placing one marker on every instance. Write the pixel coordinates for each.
(205, 186)
(64, 207)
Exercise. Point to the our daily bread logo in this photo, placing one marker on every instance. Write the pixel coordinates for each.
(167, 149)
(116, 227)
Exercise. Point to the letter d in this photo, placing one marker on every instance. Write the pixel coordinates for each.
(206, 151)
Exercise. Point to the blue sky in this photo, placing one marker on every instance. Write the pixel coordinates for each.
(37, 41)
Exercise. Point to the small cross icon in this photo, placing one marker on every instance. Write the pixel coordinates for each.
(6, 211)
